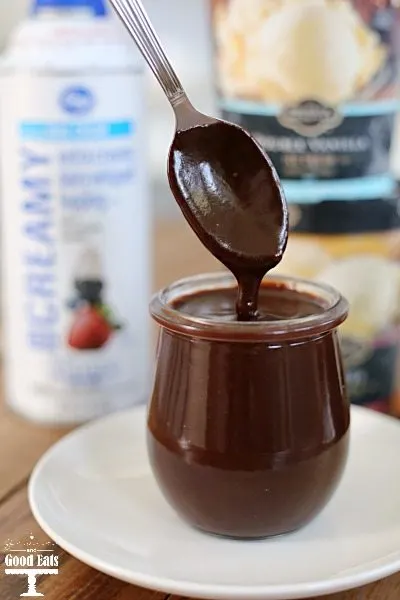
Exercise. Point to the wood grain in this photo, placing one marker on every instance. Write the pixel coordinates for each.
(177, 254)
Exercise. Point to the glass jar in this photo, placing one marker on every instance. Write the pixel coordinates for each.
(248, 423)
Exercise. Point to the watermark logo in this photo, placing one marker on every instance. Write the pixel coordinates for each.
(30, 558)
(77, 100)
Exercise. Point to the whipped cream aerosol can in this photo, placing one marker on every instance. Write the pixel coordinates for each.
(75, 215)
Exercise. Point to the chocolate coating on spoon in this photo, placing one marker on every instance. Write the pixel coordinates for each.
(230, 194)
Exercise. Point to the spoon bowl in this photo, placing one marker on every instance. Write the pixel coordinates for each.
(230, 194)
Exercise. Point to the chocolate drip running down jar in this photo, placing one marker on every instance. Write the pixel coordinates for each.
(248, 427)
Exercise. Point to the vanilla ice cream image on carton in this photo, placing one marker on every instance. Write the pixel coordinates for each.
(290, 50)
(294, 70)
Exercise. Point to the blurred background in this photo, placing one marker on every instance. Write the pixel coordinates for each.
(268, 65)
(188, 28)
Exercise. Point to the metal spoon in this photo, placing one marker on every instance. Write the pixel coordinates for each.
(224, 183)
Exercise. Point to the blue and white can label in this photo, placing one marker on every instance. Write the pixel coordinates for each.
(75, 236)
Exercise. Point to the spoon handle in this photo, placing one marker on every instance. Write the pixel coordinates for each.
(137, 22)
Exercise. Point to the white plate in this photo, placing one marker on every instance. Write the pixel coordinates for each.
(93, 493)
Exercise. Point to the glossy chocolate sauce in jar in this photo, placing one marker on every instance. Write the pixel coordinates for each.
(248, 426)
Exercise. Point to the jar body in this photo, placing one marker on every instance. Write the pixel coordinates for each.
(248, 438)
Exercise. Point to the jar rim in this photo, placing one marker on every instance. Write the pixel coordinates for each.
(335, 310)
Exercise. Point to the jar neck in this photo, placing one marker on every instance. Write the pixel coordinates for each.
(331, 311)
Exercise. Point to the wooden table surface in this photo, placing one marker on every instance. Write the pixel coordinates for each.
(177, 254)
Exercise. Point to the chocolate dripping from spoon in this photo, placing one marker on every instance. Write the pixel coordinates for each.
(225, 185)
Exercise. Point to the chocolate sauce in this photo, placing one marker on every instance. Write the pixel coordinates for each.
(230, 194)
(248, 432)
(276, 303)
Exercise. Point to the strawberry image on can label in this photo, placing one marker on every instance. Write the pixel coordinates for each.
(90, 329)
(93, 323)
